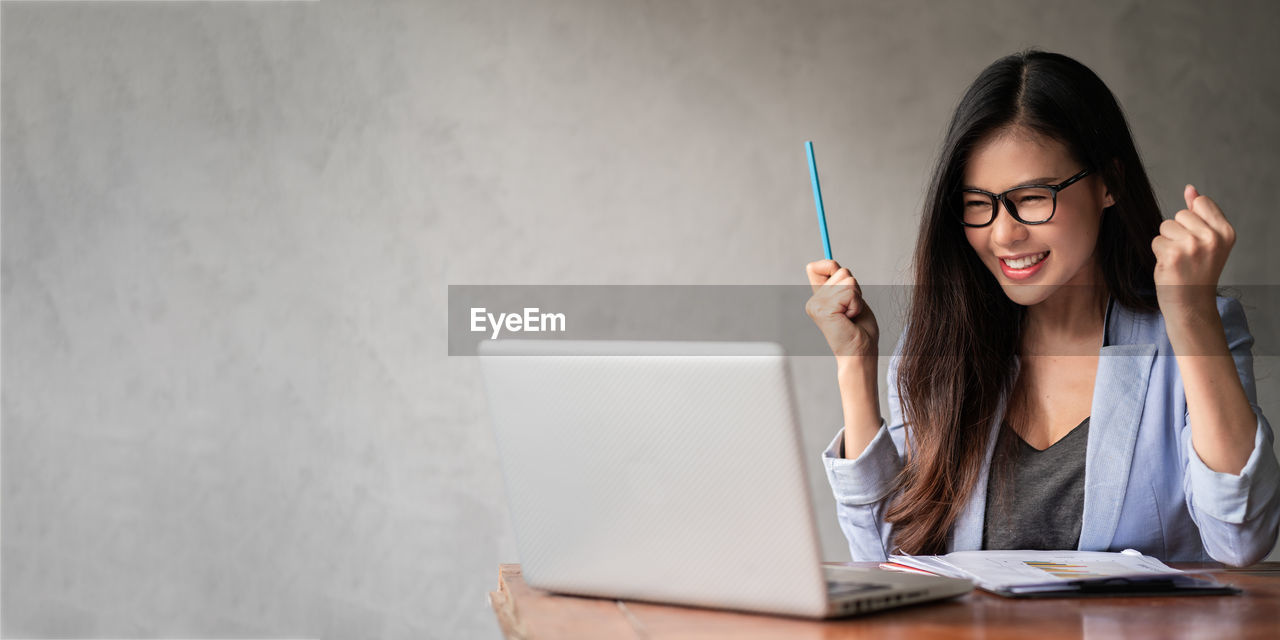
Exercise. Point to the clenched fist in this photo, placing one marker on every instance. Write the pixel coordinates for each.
(840, 312)
(1191, 250)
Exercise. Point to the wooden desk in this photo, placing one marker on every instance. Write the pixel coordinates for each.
(527, 613)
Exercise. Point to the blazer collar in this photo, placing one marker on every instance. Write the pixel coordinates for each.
(1119, 391)
(1119, 394)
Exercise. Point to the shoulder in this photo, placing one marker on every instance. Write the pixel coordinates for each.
(1233, 317)
(1130, 326)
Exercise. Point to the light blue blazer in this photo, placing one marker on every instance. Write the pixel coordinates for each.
(1145, 486)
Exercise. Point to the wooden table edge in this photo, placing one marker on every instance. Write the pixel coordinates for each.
(505, 608)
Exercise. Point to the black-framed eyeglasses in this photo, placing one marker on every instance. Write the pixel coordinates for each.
(1028, 204)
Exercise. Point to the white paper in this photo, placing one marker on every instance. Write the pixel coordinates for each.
(1029, 570)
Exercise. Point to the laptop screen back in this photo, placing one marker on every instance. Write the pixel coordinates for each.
(671, 473)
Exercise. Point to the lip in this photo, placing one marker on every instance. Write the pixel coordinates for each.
(1022, 274)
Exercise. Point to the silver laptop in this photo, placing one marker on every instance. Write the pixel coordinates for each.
(669, 472)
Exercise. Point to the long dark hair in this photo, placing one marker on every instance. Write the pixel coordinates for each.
(957, 357)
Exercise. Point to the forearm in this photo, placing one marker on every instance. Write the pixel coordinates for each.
(860, 398)
(1222, 422)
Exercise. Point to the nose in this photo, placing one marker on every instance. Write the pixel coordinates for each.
(1005, 231)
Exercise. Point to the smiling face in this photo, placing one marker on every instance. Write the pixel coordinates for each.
(1045, 256)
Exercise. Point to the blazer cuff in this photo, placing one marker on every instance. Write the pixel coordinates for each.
(1236, 498)
(868, 478)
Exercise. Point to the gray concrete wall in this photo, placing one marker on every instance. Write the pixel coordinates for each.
(228, 230)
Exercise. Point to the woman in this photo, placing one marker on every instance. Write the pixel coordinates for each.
(1068, 377)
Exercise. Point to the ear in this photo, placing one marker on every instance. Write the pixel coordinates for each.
(1109, 200)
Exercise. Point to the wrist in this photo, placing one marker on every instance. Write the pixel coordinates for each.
(1182, 312)
(857, 368)
(860, 394)
(1195, 329)
(1182, 303)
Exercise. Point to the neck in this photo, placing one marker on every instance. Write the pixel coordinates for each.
(1073, 317)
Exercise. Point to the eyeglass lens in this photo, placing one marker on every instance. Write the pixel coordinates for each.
(1030, 204)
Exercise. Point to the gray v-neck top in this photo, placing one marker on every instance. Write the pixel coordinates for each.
(1035, 498)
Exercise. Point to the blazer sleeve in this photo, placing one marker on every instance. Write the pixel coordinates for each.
(1238, 515)
(863, 487)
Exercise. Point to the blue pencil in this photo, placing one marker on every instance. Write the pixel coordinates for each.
(817, 199)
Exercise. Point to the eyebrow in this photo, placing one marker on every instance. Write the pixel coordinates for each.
(1032, 181)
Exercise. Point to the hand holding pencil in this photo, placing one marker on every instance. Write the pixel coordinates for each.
(837, 306)
(849, 326)
(840, 312)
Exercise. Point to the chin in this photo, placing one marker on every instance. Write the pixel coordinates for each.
(1026, 294)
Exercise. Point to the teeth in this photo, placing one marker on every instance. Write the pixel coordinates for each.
(1023, 263)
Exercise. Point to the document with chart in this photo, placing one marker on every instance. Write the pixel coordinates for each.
(1063, 573)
